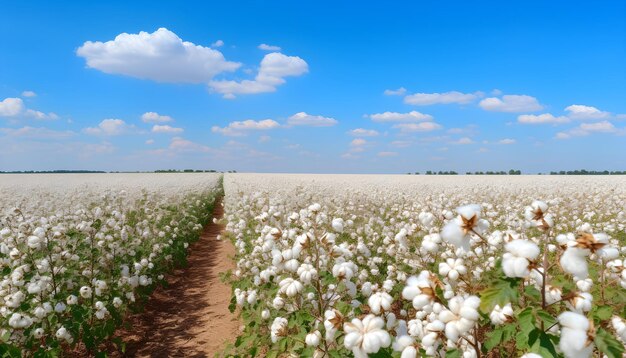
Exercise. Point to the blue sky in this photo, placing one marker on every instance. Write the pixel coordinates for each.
(313, 87)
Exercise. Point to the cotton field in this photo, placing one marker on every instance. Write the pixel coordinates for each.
(411, 266)
(79, 251)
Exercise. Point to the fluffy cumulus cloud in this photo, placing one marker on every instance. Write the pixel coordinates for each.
(179, 144)
(109, 127)
(166, 129)
(578, 111)
(218, 43)
(159, 56)
(413, 116)
(14, 107)
(153, 117)
(266, 47)
(274, 68)
(305, 119)
(11, 107)
(36, 133)
(29, 94)
(240, 128)
(511, 103)
(358, 142)
(541, 118)
(585, 129)
(418, 127)
(507, 141)
(426, 99)
(463, 141)
(397, 92)
(362, 132)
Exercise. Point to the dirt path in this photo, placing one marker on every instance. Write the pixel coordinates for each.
(190, 317)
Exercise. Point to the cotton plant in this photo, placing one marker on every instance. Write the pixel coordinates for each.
(76, 260)
(410, 271)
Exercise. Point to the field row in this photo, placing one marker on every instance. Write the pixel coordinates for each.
(79, 252)
(399, 266)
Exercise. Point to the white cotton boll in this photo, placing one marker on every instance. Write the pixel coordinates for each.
(265, 314)
(620, 327)
(313, 339)
(278, 329)
(117, 302)
(501, 315)
(584, 285)
(380, 301)
(85, 292)
(38, 333)
(366, 336)
(574, 337)
(574, 262)
(531, 355)
(337, 225)
(290, 287)
(580, 303)
(553, 294)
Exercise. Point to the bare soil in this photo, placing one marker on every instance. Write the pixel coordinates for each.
(190, 317)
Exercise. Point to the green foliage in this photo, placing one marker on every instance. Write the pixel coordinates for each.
(608, 344)
(502, 291)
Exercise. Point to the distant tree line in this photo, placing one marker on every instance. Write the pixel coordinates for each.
(588, 172)
(432, 172)
(101, 171)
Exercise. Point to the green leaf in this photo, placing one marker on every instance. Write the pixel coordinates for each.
(608, 344)
(454, 353)
(493, 339)
(603, 313)
(526, 321)
(541, 343)
(501, 292)
(546, 318)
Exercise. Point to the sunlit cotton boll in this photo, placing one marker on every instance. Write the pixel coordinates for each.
(366, 336)
(575, 342)
(501, 315)
(313, 339)
(85, 292)
(337, 225)
(290, 287)
(517, 259)
(459, 230)
(380, 301)
(278, 329)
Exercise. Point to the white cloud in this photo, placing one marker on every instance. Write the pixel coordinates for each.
(358, 142)
(541, 118)
(585, 129)
(426, 99)
(266, 47)
(218, 43)
(29, 94)
(387, 154)
(14, 107)
(150, 141)
(362, 132)
(179, 144)
(153, 117)
(462, 141)
(412, 116)
(109, 127)
(36, 133)
(166, 129)
(398, 92)
(238, 128)
(578, 111)
(511, 103)
(272, 72)
(305, 119)
(418, 127)
(159, 56)
(11, 107)
(401, 143)
(507, 141)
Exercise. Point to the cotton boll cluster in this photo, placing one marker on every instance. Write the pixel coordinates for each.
(77, 250)
(436, 266)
